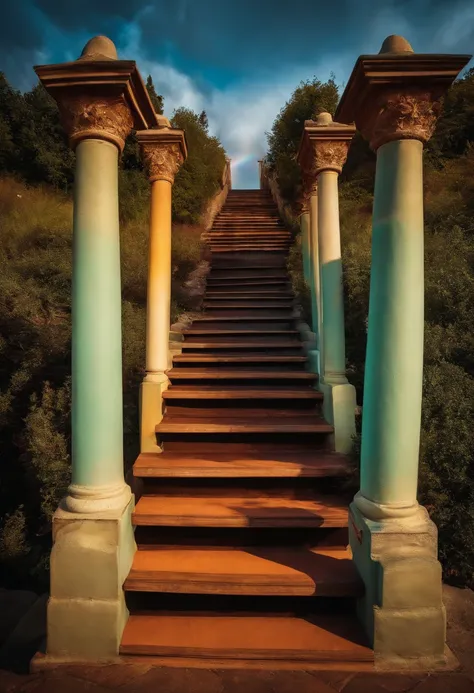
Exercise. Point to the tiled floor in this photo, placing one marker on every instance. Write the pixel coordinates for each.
(142, 679)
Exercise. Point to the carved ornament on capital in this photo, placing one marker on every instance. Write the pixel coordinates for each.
(102, 118)
(330, 155)
(397, 116)
(162, 160)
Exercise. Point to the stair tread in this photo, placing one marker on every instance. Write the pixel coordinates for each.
(234, 424)
(239, 374)
(248, 393)
(258, 570)
(250, 510)
(243, 345)
(258, 637)
(249, 358)
(279, 464)
(240, 332)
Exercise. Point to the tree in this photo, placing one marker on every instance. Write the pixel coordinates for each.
(203, 120)
(308, 99)
(199, 177)
(156, 99)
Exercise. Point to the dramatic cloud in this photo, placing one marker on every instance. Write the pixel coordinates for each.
(239, 61)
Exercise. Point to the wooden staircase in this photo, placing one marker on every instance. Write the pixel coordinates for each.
(241, 527)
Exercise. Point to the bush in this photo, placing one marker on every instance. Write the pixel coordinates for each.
(199, 177)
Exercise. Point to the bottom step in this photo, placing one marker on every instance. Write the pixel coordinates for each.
(222, 640)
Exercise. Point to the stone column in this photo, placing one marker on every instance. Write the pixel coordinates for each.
(323, 151)
(305, 237)
(164, 150)
(100, 99)
(392, 538)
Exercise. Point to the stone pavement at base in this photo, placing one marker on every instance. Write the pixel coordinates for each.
(143, 679)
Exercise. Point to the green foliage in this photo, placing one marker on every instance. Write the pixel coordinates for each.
(32, 142)
(199, 177)
(308, 99)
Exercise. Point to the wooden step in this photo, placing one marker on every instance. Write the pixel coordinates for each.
(235, 424)
(243, 345)
(243, 393)
(240, 319)
(284, 571)
(242, 641)
(240, 333)
(277, 464)
(241, 358)
(254, 306)
(237, 374)
(249, 510)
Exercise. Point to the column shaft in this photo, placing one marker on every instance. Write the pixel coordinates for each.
(332, 299)
(394, 363)
(305, 245)
(159, 281)
(314, 269)
(97, 429)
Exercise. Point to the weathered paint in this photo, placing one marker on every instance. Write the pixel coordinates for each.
(394, 363)
(97, 429)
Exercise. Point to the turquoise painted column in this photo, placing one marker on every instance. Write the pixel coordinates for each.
(98, 120)
(394, 363)
(397, 119)
(97, 429)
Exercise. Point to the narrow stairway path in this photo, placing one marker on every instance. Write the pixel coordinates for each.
(241, 527)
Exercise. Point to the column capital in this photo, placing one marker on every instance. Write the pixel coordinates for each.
(164, 151)
(99, 96)
(324, 145)
(396, 94)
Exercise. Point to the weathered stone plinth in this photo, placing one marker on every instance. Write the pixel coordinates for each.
(91, 557)
(402, 609)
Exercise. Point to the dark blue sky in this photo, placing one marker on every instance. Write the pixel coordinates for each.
(239, 60)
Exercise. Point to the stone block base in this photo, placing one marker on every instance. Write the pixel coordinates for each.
(339, 410)
(151, 412)
(402, 609)
(91, 557)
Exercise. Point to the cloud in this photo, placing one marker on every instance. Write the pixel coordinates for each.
(239, 61)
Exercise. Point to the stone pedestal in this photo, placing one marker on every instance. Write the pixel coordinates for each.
(100, 100)
(402, 609)
(393, 540)
(164, 150)
(91, 557)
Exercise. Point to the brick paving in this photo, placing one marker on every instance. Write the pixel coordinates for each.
(144, 679)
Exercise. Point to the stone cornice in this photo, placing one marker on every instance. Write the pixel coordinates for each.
(86, 88)
(164, 151)
(396, 95)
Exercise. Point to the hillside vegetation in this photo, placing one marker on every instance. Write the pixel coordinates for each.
(446, 476)
(36, 176)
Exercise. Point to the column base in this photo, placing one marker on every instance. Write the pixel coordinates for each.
(151, 409)
(339, 410)
(87, 500)
(90, 559)
(402, 609)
